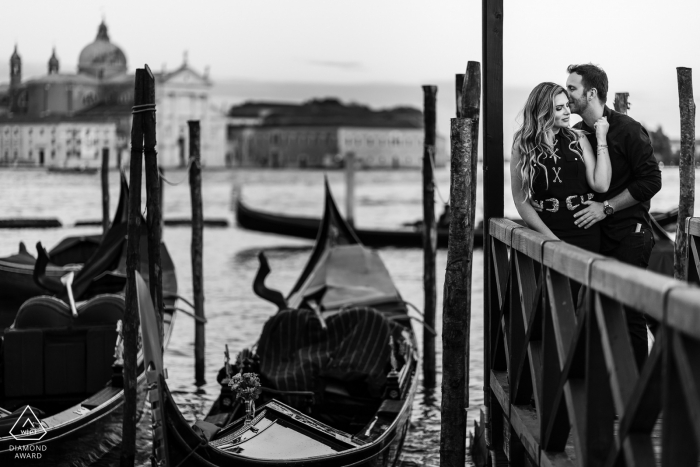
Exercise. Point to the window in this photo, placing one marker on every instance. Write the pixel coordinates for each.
(30, 154)
(53, 154)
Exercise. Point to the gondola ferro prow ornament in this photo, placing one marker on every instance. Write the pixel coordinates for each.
(261, 290)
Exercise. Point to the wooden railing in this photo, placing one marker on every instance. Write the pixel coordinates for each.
(562, 385)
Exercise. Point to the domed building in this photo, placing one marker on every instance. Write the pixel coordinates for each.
(98, 100)
(101, 58)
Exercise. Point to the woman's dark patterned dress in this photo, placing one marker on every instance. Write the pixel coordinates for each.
(559, 189)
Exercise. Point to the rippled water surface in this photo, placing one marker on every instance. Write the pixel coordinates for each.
(235, 315)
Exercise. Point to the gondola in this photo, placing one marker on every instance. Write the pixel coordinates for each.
(17, 270)
(337, 366)
(61, 392)
(307, 227)
(411, 236)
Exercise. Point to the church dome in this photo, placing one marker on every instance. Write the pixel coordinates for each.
(102, 58)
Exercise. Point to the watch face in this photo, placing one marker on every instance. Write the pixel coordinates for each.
(608, 210)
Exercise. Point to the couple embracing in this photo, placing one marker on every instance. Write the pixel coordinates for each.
(589, 185)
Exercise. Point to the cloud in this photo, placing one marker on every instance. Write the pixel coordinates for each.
(345, 65)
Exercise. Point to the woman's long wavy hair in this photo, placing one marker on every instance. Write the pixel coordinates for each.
(531, 138)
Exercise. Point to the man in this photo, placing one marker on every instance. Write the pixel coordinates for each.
(624, 210)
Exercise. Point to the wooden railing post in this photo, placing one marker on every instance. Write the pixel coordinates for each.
(686, 166)
(197, 244)
(133, 261)
(105, 189)
(153, 204)
(456, 315)
(493, 187)
(429, 235)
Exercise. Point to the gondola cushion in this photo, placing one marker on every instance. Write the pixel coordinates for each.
(296, 354)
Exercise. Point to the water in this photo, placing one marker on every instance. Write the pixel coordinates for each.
(384, 199)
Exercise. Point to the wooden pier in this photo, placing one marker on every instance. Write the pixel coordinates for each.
(564, 387)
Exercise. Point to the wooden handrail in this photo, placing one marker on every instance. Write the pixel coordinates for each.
(646, 291)
(572, 355)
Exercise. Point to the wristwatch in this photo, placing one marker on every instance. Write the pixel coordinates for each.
(607, 209)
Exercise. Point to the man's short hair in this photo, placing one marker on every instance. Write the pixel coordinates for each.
(592, 76)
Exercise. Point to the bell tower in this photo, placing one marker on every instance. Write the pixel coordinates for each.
(15, 69)
(53, 63)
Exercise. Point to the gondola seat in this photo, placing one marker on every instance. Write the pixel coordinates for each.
(350, 357)
(47, 352)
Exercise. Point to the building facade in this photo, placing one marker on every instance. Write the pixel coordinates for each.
(56, 142)
(322, 133)
(100, 94)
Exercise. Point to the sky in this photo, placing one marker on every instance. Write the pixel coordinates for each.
(377, 52)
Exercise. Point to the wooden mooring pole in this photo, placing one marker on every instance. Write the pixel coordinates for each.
(686, 166)
(196, 251)
(459, 84)
(493, 187)
(621, 103)
(350, 188)
(153, 203)
(456, 314)
(105, 189)
(429, 235)
(130, 327)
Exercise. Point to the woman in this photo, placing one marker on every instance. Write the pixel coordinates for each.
(554, 170)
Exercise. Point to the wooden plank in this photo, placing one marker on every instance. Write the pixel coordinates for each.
(683, 311)
(500, 267)
(554, 422)
(501, 389)
(519, 375)
(687, 355)
(694, 226)
(617, 348)
(535, 354)
(527, 285)
(556, 459)
(527, 426)
(599, 406)
(643, 408)
(569, 260)
(500, 229)
(638, 451)
(678, 446)
(563, 315)
(530, 242)
(694, 260)
(632, 286)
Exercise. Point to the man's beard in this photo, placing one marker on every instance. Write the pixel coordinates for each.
(578, 106)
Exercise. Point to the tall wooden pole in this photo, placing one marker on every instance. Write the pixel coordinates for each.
(456, 314)
(130, 327)
(105, 189)
(493, 187)
(459, 84)
(429, 234)
(153, 205)
(350, 187)
(621, 103)
(686, 166)
(196, 251)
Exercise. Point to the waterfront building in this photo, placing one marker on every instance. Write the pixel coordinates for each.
(320, 133)
(101, 94)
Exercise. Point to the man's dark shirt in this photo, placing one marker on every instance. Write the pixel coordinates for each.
(633, 167)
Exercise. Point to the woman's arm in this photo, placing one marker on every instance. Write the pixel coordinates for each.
(527, 212)
(598, 170)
